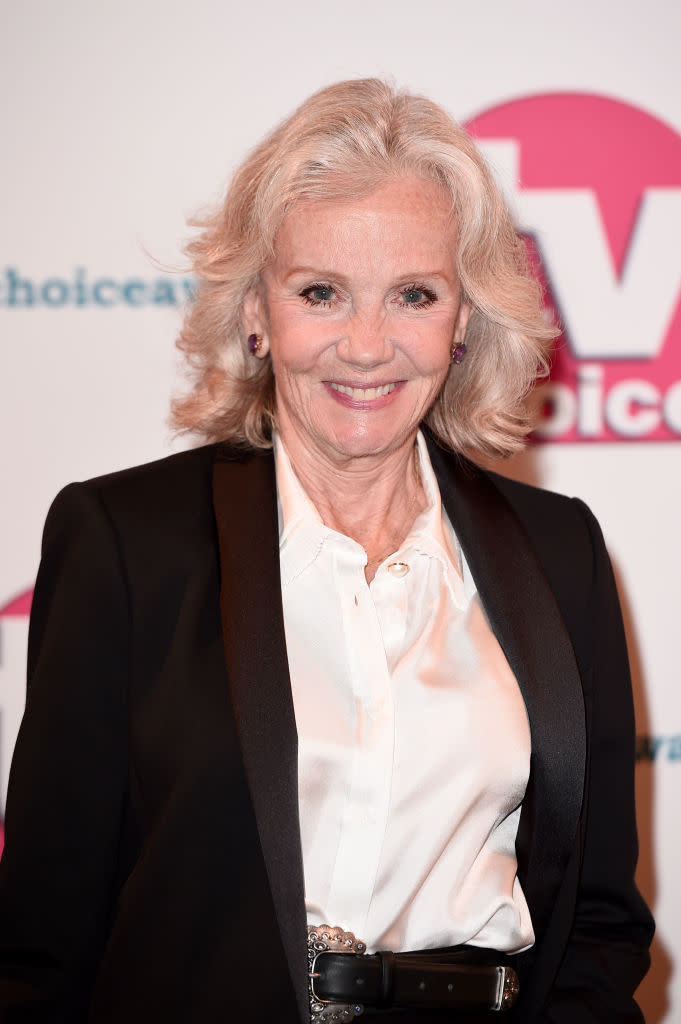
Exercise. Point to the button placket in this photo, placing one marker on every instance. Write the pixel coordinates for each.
(390, 591)
(369, 777)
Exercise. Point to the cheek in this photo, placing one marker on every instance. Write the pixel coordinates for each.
(294, 343)
(430, 349)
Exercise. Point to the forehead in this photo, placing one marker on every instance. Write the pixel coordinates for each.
(406, 213)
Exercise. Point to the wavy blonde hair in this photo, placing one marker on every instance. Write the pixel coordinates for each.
(341, 144)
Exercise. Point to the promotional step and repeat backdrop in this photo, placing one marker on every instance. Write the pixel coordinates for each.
(119, 120)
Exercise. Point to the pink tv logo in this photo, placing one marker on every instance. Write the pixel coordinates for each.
(595, 184)
(18, 606)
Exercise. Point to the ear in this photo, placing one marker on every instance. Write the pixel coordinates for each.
(253, 319)
(461, 323)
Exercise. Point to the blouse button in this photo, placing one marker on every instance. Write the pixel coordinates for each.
(398, 569)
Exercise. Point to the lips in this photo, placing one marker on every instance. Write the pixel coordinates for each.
(363, 394)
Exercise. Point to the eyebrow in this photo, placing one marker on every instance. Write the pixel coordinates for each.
(323, 275)
(313, 272)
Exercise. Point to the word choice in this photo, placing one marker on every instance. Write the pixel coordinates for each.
(20, 292)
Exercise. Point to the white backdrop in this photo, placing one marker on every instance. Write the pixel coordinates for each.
(120, 119)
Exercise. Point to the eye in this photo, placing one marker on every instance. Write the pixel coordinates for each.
(416, 297)
(318, 294)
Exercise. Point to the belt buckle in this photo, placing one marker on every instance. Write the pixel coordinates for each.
(509, 988)
(325, 939)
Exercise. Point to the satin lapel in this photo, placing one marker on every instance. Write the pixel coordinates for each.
(525, 618)
(244, 497)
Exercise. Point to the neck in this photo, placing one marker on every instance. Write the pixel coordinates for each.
(373, 499)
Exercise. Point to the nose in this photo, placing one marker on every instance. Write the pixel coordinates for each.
(366, 342)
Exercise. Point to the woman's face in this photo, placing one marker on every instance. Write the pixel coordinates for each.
(359, 310)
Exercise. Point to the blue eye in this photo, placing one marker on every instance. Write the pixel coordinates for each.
(318, 294)
(417, 298)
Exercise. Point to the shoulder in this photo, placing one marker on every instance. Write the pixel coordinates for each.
(555, 523)
(543, 513)
(550, 520)
(569, 545)
(158, 480)
(156, 508)
(153, 527)
(167, 501)
(568, 551)
(561, 530)
(181, 481)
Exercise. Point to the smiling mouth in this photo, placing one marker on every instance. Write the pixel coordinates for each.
(363, 394)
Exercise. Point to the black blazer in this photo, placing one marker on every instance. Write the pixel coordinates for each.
(152, 868)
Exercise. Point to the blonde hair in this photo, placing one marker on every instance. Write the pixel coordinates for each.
(343, 143)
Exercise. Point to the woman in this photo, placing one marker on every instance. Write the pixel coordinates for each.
(326, 666)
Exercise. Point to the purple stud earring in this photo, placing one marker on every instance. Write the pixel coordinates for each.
(458, 352)
(254, 344)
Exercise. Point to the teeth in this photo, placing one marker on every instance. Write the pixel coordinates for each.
(364, 394)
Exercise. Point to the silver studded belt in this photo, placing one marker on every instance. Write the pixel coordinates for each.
(344, 979)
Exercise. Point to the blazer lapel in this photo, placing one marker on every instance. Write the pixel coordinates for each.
(523, 613)
(244, 496)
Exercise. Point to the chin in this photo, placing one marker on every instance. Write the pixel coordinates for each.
(360, 443)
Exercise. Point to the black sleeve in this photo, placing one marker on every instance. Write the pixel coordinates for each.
(607, 955)
(68, 782)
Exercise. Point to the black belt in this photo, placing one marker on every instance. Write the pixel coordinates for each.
(343, 980)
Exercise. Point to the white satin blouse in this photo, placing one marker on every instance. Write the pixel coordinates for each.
(414, 744)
